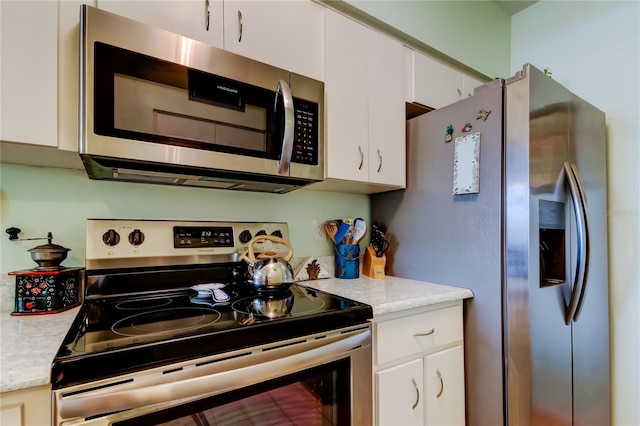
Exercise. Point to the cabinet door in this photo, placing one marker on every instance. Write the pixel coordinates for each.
(30, 406)
(346, 98)
(285, 34)
(435, 84)
(197, 19)
(444, 387)
(29, 72)
(68, 68)
(400, 395)
(468, 84)
(386, 111)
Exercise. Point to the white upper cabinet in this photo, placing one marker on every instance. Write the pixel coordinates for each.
(285, 34)
(197, 19)
(346, 98)
(387, 141)
(469, 84)
(364, 106)
(29, 72)
(434, 84)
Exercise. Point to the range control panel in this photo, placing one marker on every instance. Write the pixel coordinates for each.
(128, 239)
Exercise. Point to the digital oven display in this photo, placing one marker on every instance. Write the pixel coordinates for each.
(202, 236)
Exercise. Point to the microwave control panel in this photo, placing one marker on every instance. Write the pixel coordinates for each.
(305, 139)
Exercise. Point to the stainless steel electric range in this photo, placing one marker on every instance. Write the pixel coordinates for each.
(171, 332)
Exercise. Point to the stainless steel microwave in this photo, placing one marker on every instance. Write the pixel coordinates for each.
(157, 107)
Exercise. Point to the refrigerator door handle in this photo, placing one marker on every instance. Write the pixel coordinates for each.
(587, 254)
(579, 204)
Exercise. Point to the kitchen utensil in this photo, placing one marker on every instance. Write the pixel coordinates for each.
(342, 232)
(211, 289)
(378, 242)
(269, 270)
(332, 228)
(359, 229)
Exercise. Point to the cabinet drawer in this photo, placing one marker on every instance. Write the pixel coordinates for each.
(410, 335)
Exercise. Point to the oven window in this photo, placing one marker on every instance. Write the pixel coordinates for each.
(318, 396)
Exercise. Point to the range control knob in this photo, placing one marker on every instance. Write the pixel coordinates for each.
(136, 237)
(111, 237)
(245, 237)
(277, 233)
(261, 232)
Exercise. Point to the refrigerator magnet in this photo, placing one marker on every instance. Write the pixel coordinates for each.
(449, 135)
(483, 114)
(467, 128)
(466, 164)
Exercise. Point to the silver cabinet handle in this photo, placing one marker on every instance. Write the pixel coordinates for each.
(207, 16)
(415, 385)
(239, 26)
(361, 157)
(579, 204)
(79, 406)
(289, 123)
(428, 333)
(441, 383)
(379, 157)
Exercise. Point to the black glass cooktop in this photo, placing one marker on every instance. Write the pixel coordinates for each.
(115, 334)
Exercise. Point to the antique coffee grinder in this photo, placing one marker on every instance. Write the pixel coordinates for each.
(50, 287)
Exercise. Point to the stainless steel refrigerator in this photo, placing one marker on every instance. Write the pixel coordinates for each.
(506, 195)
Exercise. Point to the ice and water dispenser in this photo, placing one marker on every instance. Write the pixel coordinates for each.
(552, 243)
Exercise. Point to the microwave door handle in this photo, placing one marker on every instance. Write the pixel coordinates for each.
(582, 237)
(289, 122)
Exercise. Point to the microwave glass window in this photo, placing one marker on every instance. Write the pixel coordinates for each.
(148, 99)
(148, 107)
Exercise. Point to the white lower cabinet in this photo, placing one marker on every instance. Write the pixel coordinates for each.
(401, 394)
(444, 387)
(26, 407)
(419, 367)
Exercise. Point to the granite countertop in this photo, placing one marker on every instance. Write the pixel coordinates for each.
(390, 294)
(29, 343)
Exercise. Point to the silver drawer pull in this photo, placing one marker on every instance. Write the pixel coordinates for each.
(207, 16)
(415, 385)
(428, 333)
(441, 383)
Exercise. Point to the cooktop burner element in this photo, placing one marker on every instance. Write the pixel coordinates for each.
(149, 306)
(165, 322)
(142, 304)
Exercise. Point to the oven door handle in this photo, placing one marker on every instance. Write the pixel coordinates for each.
(207, 385)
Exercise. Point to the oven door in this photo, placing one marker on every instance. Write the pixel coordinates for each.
(320, 379)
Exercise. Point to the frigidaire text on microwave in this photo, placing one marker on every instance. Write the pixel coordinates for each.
(157, 107)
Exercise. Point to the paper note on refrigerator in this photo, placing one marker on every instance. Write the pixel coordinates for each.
(466, 164)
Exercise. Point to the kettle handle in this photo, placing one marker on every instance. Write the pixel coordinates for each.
(251, 256)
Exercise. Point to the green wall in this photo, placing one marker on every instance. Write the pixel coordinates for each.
(475, 33)
(39, 199)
